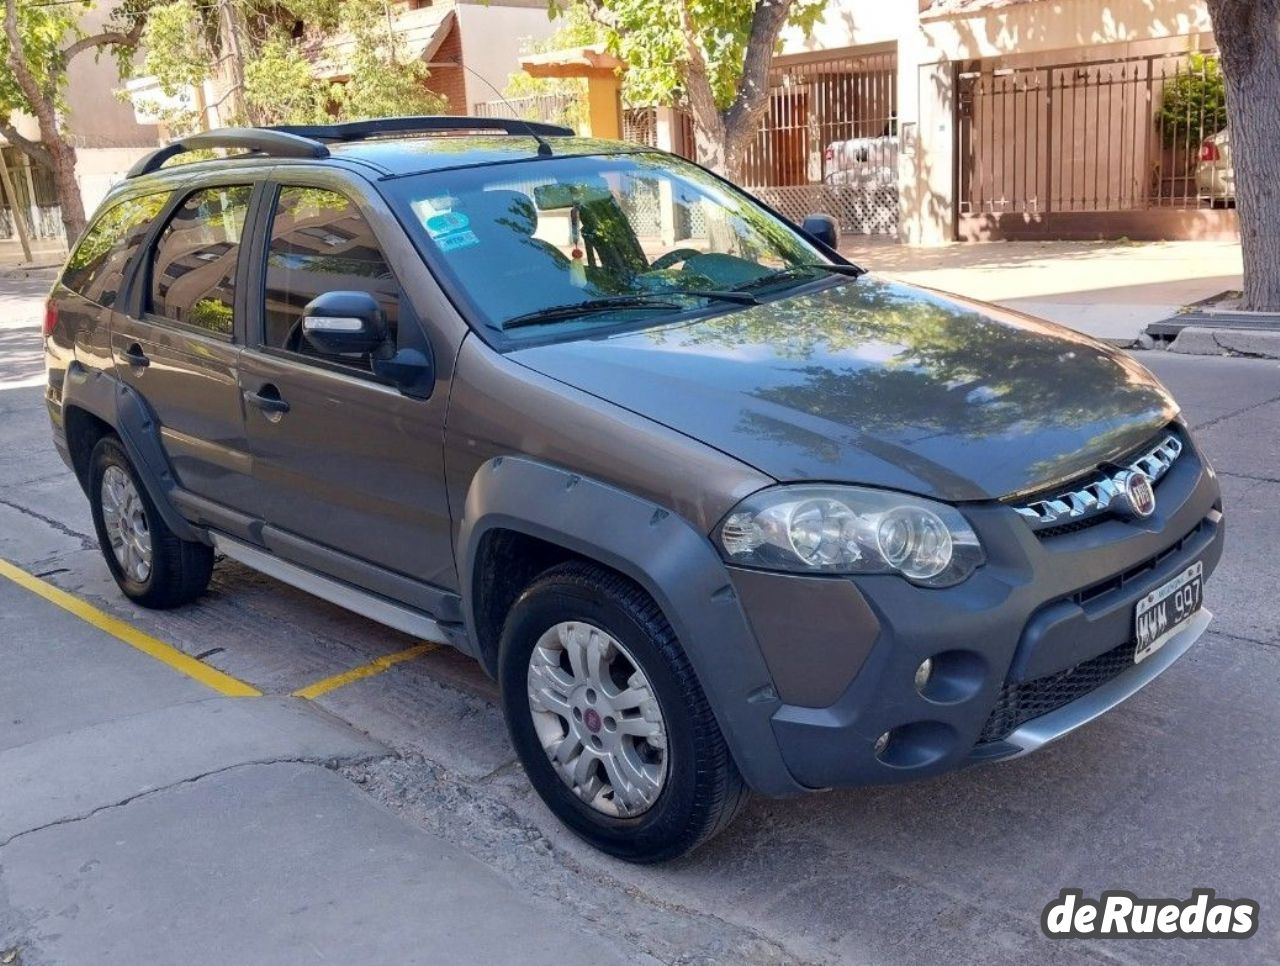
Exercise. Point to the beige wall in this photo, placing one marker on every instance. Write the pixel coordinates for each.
(96, 117)
(1043, 25)
(853, 23)
(493, 37)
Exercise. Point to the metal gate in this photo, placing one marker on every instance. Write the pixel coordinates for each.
(829, 141)
(1094, 148)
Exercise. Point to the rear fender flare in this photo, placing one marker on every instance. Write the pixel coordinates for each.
(106, 396)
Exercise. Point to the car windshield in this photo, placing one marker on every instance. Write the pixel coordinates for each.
(553, 248)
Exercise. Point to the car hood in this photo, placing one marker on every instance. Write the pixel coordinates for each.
(873, 382)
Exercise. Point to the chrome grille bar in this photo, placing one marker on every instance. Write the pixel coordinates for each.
(1094, 499)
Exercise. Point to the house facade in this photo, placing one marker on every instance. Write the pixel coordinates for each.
(943, 120)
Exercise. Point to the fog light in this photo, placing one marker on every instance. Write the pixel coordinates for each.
(923, 673)
(881, 744)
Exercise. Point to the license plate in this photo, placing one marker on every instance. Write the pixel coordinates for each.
(1161, 614)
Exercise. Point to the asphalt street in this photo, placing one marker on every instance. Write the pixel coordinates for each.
(373, 813)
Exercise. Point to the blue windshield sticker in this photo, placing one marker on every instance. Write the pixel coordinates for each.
(446, 223)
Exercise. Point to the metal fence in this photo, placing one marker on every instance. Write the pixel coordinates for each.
(829, 142)
(1104, 136)
(37, 199)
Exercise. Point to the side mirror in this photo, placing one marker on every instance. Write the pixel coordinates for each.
(345, 324)
(823, 228)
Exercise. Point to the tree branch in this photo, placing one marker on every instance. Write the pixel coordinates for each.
(108, 38)
(753, 90)
(27, 83)
(32, 149)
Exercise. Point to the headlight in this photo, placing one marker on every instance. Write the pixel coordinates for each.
(851, 530)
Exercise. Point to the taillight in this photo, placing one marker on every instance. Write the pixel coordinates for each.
(1209, 152)
(50, 318)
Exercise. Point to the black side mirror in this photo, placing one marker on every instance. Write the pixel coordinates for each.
(823, 228)
(345, 324)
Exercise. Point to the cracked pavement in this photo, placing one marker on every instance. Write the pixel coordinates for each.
(145, 819)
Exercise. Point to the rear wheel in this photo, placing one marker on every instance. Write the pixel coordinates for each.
(150, 563)
(609, 720)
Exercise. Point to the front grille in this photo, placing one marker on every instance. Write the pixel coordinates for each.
(1018, 703)
(1094, 501)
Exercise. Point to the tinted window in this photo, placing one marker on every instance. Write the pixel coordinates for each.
(194, 269)
(96, 268)
(321, 243)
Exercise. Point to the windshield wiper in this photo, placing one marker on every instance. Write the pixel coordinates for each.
(656, 300)
(782, 274)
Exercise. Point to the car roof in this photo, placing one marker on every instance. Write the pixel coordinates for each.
(391, 157)
(413, 155)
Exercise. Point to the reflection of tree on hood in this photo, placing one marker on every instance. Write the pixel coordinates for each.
(885, 358)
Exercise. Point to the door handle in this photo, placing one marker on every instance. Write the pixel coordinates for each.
(268, 400)
(135, 357)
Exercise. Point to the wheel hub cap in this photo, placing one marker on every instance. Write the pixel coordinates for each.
(126, 524)
(597, 719)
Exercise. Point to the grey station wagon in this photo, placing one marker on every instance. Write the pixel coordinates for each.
(717, 509)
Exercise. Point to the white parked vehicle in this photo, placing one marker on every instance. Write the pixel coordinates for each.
(1215, 174)
(866, 162)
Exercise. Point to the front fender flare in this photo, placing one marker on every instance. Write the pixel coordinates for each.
(663, 553)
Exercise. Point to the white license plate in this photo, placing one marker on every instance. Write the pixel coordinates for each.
(1163, 612)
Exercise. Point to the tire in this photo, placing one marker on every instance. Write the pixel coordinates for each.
(576, 606)
(178, 570)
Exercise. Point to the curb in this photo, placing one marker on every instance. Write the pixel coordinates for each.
(1204, 341)
(48, 271)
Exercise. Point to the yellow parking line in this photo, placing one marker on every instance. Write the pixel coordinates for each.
(376, 666)
(152, 647)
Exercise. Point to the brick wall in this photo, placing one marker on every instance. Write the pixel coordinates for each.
(450, 82)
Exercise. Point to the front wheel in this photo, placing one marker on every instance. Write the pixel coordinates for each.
(150, 563)
(609, 720)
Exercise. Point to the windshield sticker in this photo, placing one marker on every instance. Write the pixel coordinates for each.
(445, 223)
(450, 230)
(457, 239)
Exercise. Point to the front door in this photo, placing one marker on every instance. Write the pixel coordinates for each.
(350, 475)
(178, 345)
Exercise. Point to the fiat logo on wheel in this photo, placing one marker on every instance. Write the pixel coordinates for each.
(1139, 495)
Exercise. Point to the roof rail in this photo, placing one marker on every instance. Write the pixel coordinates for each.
(265, 141)
(428, 124)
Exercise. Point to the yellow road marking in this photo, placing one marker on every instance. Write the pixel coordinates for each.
(152, 647)
(376, 666)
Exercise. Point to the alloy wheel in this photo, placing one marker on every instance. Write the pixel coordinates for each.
(126, 524)
(598, 719)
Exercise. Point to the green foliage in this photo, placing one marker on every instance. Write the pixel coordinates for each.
(649, 36)
(44, 31)
(1195, 102)
(283, 47)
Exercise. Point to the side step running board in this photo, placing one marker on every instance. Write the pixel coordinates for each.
(344, 595)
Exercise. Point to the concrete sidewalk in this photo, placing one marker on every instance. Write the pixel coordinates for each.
(145, 819)
(1111, 290)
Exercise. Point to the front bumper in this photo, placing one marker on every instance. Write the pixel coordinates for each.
(1039, 610)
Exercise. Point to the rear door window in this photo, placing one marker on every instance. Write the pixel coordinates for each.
(193, 270)
(96, 268)
(320, 242)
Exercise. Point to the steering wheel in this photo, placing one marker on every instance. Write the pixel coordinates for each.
(673, 257)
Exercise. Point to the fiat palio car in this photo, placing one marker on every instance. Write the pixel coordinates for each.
(720, 511)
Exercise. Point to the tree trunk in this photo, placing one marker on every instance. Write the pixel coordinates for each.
(1248, 34)
(63, 161)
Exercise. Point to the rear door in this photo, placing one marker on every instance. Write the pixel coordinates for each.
(351, 477)
(179, 346)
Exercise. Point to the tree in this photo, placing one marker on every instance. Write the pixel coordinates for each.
(1248, 33)
(38, 42)
(262, 59)
(710, 56)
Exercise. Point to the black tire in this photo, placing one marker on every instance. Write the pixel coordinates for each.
(702, 791)
(180, 569)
